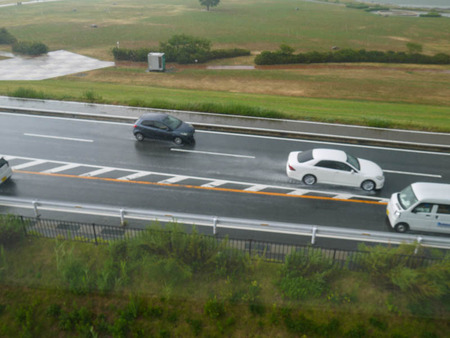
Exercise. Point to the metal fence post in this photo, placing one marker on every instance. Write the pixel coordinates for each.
(95, 234)
(24, 228)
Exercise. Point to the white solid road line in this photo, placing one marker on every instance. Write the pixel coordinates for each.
(211, 153)
(59, 137)
(411, 173)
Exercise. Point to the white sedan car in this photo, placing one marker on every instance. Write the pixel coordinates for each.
(334, 167)
(5, 170)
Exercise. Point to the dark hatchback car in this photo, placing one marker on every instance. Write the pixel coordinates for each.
(165, 127)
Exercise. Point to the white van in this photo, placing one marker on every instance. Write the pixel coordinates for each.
(5, 170)
(421, 206)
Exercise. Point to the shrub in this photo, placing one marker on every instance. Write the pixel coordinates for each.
(376, 8)
(167, 271)
(11, 230)
(304, 274)
(226, 53)
(182, 49)
(29, 48)
(185, 49)
(74, 272)
(377, 122)
(431, 15)
(107, 276)
(135, 55)
(196, 326)
(6, 38)
(229, 261)
(298, 287)
(299, 325)
(379, 261)
(28, 93)
(306, 264)
(214, 308)
(357, 5)
(91, 96)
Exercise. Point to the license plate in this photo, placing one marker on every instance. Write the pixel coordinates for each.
(4, 179)
(387, 212)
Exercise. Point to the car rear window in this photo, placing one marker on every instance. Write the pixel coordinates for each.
(305, 156)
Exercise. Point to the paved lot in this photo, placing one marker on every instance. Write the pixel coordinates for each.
(53, 64)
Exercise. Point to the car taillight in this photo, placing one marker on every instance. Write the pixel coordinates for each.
(135, 126)
(291, 167)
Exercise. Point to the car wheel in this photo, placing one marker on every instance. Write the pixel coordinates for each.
(309, 179)
(178, 141)
(139, 137)
(401, 227)
(368, 185)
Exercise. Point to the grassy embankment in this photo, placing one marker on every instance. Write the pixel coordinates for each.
(403, 96)
(171, 285)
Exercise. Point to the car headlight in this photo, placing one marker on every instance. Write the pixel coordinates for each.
(184, 134)
(380, 178)
(397, 214)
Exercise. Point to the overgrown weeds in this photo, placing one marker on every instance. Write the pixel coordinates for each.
(179, 284)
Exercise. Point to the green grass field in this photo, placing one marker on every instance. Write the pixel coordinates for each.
(403, 96)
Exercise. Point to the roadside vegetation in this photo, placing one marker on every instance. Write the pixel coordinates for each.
(167, 283)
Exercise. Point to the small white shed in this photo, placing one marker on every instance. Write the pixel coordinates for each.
(156, 62)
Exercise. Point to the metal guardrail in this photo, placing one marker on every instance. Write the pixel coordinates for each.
(313, 231)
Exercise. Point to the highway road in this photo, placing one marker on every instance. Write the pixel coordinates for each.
(224, 174)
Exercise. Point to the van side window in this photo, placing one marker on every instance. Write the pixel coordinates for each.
(443, 209)
(423, 207)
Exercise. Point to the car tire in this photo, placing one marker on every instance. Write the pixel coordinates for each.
(139, 137)
(309, 179)
(178, 141)
(368, 185)
(401, 227)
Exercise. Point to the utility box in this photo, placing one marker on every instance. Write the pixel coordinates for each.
(156, 62)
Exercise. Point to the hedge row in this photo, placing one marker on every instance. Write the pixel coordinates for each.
(29, 48)
(140, 55)
(350, 55)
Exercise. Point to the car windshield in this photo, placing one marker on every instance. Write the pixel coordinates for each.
(406, 197)
(172, 122)
(353, 161)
